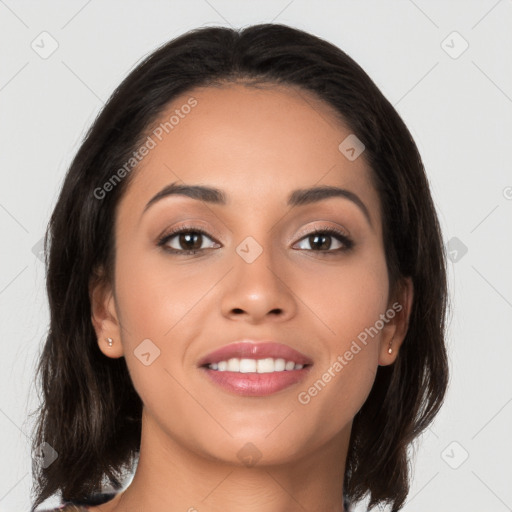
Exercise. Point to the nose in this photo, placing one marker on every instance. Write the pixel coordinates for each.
(259, 291)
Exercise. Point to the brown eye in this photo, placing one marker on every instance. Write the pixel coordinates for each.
(190, 240)
(323, 240)
(320, 241)
(185, 241)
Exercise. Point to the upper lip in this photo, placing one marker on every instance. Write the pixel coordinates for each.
(249, 349)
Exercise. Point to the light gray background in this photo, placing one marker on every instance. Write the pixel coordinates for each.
(458, 109)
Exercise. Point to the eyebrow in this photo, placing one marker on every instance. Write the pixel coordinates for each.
(298, 197)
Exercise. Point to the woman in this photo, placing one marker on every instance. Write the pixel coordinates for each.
(247, 288)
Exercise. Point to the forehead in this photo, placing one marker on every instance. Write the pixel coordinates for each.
(252, 142)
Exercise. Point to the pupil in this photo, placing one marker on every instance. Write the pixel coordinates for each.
(321, 245)
(185, 240)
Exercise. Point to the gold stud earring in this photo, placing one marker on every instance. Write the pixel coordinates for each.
(109, 340)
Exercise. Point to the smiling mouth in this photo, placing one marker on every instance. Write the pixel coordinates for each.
(264, 365)
(255, 377)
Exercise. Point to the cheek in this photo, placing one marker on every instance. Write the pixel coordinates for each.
(154, 294)
(348, 297)
(348, 302)
(161, 302)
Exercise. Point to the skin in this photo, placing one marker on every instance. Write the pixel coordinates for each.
(257, 145)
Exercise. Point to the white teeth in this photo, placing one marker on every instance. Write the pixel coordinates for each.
(279, 365)
(233, 365)
(267, 365)
(247, 365)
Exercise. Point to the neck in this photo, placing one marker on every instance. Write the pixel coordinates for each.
(171, 477)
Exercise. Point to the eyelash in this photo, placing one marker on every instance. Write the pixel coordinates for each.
(344, 239)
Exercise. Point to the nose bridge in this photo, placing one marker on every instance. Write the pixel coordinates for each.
(258, 287)
(255, 263)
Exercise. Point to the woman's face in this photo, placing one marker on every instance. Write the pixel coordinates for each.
(259, 274)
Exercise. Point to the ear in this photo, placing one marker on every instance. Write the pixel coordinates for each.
(398, 314)
(104, 315)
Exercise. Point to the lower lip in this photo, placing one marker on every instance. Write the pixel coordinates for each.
(256, 384)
